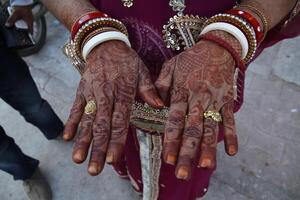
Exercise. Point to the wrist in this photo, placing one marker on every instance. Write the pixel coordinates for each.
(106, 46)
(229, 43)
(230, 39)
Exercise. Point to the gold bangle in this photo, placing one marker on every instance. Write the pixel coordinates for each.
(245, 28)
(260, 14)
(77, 62)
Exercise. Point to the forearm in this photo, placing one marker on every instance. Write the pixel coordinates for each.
(67, 11)
(274, 10)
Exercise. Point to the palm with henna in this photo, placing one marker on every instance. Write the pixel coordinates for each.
(197, 80)
(114, 73)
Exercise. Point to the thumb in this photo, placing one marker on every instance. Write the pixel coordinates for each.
(164, 81)
(10, 22)
(146, 88)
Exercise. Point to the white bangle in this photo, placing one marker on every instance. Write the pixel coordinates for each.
(231, 29)
(103, 37)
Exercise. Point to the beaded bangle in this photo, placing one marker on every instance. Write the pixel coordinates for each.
(251, 20)
(260, 14)
(243, 26)
(84, 19)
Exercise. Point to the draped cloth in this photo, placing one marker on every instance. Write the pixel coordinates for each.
(142, 161)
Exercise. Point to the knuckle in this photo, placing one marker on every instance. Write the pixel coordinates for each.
(100, 128)
(193, 132)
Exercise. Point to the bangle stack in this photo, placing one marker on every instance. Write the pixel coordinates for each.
(263, 18)
(93, 25)
(90, 30)
(259, 33)
(242, 25)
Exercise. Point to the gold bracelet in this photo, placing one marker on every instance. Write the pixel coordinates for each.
(241, 24)
(260, 14)
(69, 51)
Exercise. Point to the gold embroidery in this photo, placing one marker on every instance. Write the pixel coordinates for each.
(150, 156)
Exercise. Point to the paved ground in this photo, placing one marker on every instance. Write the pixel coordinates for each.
(267, 166)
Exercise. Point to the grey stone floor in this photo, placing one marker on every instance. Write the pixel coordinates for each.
(267, 166)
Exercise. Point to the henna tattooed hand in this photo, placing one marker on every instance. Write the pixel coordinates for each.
(198, 79)
(113, 76)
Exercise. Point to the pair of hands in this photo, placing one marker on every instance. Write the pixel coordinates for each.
(21, 13)
(198, 79)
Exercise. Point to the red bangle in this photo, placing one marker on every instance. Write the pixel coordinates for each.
(238, 61)
(259, 32)
(84, 19)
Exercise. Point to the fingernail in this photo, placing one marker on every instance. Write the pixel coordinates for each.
(159, 102)
(109, 158)
(171, 159)
(205, 163)
(78, 157)
(182, 173)
(66, 136)
(93, 169)
(231, 150)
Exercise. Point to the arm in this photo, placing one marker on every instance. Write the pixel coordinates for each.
(274, 10)
(113, 74)
(67, 11)
(201, 79)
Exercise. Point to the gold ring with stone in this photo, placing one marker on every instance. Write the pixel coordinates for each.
(216, 116)
(90, 107)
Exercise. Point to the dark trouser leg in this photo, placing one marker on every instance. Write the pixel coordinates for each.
(13, 160)
(18, 89)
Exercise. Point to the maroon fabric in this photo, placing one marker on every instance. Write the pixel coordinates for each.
(144, 22)
(170, 187)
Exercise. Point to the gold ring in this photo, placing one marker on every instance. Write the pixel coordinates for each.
(216, 116)
(90, 107)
